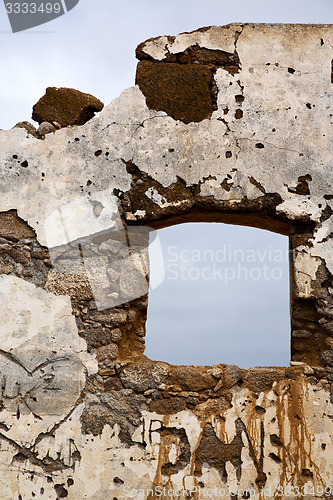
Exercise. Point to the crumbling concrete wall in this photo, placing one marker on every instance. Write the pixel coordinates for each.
(226, 124)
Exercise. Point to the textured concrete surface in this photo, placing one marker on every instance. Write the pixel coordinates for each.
(84, 414)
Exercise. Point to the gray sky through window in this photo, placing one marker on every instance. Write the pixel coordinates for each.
(224, 297)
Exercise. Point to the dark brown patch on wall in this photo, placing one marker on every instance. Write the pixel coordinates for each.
(13, 227)
(179, 437)
(216, 454)
(183, 84)
(182, 91)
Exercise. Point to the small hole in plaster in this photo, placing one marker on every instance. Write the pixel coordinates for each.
(259, 145)
(239, 98)
(307, 473)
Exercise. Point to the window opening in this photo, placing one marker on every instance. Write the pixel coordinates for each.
(224, 297)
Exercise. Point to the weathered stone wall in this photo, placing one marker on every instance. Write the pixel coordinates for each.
(226, 124)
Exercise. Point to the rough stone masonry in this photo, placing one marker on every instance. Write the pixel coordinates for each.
(226, 124)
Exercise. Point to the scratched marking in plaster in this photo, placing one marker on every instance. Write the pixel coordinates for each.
(43, 361)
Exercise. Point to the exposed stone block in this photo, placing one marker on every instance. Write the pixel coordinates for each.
(182, 91)
(66, 107)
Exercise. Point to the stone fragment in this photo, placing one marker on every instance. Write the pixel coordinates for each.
(97, 336)
(301, 334)
(144, 376)
(308, 370)
(117, 407)
(190, 378)
(77, 286)
(183, 91)
(21, 256)
(132, 315)
(217, 372)
(167, 406)
(66, 106)
(261, 379)
(231, 376)
(218, 386)
(328, 327)
(116, 335)
(13, 227)
(329, 342)
(107, 352)
(45, 128)
(133, 282)
(29, 127)
(5, 266)
(327, 358)
(113, 384)
(113, 318)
